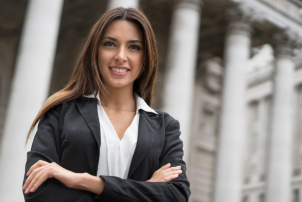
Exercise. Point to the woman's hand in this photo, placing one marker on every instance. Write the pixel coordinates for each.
(43, 170)
(165, 173)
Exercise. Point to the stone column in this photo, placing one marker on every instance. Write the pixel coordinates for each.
(122, 3)
(181, 65)
(279, 154)
(29, 90)
(229, 168)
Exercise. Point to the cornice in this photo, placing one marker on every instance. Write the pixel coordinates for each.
(265, 11)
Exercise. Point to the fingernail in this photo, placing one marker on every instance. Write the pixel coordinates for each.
(32, 189)
(168, 164)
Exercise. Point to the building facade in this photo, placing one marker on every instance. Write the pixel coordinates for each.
(229, 70)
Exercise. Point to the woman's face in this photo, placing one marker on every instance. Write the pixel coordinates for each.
(121, 54)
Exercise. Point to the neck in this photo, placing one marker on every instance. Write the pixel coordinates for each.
(119, 99)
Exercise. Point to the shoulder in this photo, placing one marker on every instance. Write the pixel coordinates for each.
(62, 108)
(169, 121)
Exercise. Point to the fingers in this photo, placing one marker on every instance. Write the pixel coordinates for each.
(170, 177)
(165, 173)
(174, 172)
(35, 173)
(168, 165)
(40, 163)
(35, 177)
(169, 170)
(31, 177)
(43, 176)
(174, 168)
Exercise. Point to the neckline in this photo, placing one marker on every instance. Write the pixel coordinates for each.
(111, 125)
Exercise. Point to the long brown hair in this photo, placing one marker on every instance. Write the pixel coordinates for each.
(86, 78)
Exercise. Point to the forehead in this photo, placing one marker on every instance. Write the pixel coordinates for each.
(123, 29)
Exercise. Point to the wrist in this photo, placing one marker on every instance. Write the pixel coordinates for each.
(80, 179)
(90, 183)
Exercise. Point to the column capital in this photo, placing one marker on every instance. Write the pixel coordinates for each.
(284, 43)
(194, 4)
(240, 17)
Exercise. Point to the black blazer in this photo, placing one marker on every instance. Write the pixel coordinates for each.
(70, 135)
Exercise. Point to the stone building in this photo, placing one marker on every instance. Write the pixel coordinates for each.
(229, 70)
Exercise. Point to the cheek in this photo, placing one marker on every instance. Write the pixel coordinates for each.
(103, 60)
(138, 62)
(103, 56)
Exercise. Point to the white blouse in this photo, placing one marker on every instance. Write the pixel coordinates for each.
(115, 154)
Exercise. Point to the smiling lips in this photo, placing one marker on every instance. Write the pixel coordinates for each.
(119, 70)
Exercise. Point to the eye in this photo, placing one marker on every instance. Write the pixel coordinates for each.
(135, 47)
(109, 43)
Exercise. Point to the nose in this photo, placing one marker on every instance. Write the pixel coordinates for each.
(121, 56)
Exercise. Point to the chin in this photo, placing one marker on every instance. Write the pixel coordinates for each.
(119, 85)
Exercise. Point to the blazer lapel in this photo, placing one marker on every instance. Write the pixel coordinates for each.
(147, 130)
(88, 110)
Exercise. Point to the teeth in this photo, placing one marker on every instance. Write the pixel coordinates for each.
(119, 70)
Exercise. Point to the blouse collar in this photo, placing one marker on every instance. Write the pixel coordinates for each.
(140, 103)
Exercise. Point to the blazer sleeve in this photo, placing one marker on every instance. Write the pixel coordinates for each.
(127, 190)
(46, 147)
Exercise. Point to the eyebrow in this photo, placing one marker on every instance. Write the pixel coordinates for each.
(130, 41)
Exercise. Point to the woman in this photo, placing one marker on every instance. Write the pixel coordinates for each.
(98, 139)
